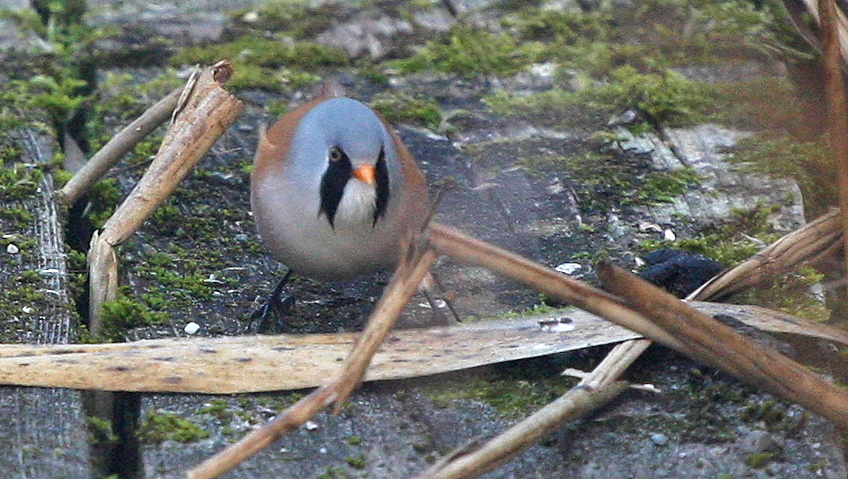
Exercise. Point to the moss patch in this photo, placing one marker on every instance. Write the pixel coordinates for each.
(404, 108)
(469, 52)
(298, 19)
(729, 242)
(123, 314)
(806, 162)
(160, 427)
(614, 179)
(266, 63)
(514, 390)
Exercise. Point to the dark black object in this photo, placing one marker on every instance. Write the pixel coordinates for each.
(679, 272)
(272, 314)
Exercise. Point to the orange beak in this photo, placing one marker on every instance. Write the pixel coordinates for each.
(366, 174)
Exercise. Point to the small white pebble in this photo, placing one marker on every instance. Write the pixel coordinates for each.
(27, 309)
(569, 268)
(659, 438)
(191, 328)
(669, 235)
(323, 450)
(310, 426)
(12, 248)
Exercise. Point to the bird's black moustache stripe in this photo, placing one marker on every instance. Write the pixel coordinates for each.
(382, 200)
(339, 172)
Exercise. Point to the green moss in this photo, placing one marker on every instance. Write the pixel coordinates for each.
(509, 396)
(766, 412)
(613, 179)
(122, 314)
(17, 215)
(258, 61)
(729, 242)
(298, 19)
(356, 462)
(29, 277)
(806, 162)
(759, 460)
(334, 473)
(628, 57)
(560, 27)
(101, 431)
(10, 153)
(104, 198)
(24, 296)
(469, 52)
(354, 440)
(159, 427)
(219, 409)
(19, 182)
(404, 108)
(248, 76)
(58, 96)
(790, 293)
(662, 97)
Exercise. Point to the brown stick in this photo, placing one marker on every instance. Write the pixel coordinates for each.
(293, 417)
(801, 246)
(576, 403)
(718, 345)
(398, 292)
(594, 391)
(841, 21)
(837, 110)
(97, 166)
(449, 241)
(208, 111)
(103, 279)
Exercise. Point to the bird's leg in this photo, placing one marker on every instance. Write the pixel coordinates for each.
(431, 288)
(272, 314)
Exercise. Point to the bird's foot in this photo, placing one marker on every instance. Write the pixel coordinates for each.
(271, 317)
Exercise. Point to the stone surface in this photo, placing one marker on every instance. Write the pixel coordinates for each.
(701, 424)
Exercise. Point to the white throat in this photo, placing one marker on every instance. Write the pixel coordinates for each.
(357, 206)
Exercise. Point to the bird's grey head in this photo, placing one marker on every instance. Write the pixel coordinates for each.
(343, 123)
(332, 140)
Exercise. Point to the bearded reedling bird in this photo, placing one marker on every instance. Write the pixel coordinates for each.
(334, 189)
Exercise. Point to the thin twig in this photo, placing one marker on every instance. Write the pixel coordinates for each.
(416, 262)
(720, 346)
(398, 292)
(103, 278)
(801, 246)
(449, 241)
(837, 111)
(208, 112)
(97, 166)
(293, 417)
(578, 402)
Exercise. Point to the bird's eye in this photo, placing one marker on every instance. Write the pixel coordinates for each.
(335, 154)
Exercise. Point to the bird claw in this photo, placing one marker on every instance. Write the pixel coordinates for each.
(272, 315)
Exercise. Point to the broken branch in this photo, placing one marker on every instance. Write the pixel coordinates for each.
(576, 403)
(105, 158)
(718, 345)
(208, 111)
(413, 267)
